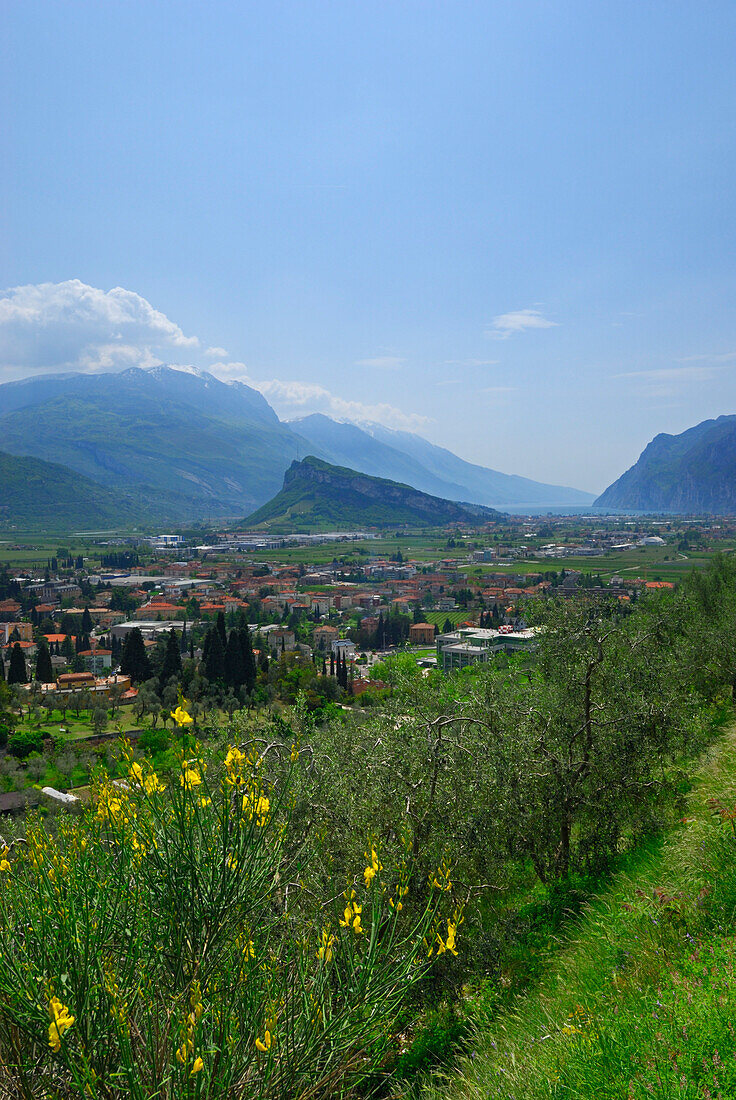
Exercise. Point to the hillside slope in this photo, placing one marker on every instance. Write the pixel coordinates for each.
(641, 1001)
(316, 494)
(694, 472)
(36, 494)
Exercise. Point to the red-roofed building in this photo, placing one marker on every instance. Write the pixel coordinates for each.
(164, 608)
(421, 634)
(96, 660)
(29, 649)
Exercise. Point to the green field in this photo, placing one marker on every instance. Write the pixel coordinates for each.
(73, 728)
(650, 563)
(439, 618)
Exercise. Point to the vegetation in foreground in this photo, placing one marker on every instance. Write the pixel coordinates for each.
(177, 941)
(475, 792)
(642, 1002)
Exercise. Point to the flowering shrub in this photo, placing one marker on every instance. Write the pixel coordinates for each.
(163, 944)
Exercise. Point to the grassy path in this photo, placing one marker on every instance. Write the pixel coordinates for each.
(641, 1002)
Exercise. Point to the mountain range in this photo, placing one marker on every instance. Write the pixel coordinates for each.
(317, 494)
(402, 456)
(694, 472)
(191, 447)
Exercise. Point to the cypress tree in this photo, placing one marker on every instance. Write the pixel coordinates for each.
(134, 659)
(332, 664)
(44, 671)
(249, 661)
(86, 621)
(17, 673)
(234, 671)
(2, 668)
(172, 660)
(221, 629)
(183, 642)
(214, 668)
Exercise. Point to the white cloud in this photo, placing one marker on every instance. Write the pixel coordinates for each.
(310, 397)
(291, 397)
(231, 372)
(726, 357)
(472, 362)
(72, 326)
(670, 374)
(383, 362)
(508, 324)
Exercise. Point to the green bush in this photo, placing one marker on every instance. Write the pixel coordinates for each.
(153, 741)
(172, 941)
(436, 1043)
(24, 742)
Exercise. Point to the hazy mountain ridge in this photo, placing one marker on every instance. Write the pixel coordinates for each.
(694, 472)
(196, 447)
(318, 494)
(402, 456)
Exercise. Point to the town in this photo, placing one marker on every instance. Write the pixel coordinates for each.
(101, 637)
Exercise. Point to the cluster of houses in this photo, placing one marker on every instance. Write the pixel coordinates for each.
(332, 608)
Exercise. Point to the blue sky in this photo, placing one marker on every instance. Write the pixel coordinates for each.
(507, 226)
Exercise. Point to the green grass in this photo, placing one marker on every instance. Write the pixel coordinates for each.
(641, 1001)
(80, 726)
(462, 615)
(651, 563)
